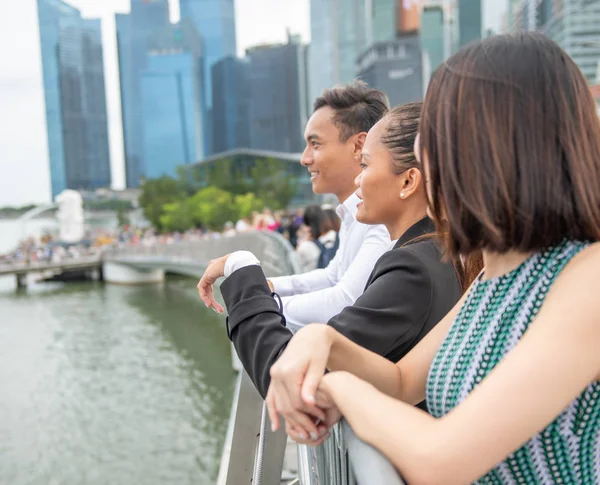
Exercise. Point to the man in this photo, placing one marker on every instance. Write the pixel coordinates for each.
(335, 135)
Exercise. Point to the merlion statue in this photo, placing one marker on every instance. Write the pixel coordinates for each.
(70, 216)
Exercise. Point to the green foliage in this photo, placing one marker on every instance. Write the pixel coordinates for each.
(177, 217)
(156, 193)
(227, 176)
(210, 207)
(271, 181)
(122, 217)
(247, 204)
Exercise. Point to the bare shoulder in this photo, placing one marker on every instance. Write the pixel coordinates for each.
(582, 269)
(573, 302)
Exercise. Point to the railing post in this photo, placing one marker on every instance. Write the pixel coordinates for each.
(368, 464)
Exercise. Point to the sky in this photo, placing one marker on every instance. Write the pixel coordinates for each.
(24, 172)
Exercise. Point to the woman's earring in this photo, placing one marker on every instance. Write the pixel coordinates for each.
(402, 195)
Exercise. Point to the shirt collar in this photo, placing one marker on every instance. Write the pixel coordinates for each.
(347, 210)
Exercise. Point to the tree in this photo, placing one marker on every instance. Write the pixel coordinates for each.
(155, 194)
(227, 175)
(177, 217)
(213, 207)
(122, 217)
(271, 180)
(247, 204)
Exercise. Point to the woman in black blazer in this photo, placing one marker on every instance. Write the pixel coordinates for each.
(409, 291)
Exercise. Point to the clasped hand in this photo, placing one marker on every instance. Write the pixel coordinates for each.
(299, 390)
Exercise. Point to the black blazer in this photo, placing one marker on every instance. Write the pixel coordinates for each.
(409, 291)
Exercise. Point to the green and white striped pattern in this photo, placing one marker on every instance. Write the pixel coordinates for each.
(495, 316)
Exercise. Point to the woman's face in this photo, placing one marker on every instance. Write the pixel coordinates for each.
(378, 187)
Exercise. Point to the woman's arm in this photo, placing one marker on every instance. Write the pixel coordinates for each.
(560, 355)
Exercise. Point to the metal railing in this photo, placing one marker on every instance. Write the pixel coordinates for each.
(254, 455)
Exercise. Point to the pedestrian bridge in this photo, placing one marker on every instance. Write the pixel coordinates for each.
(146, 263)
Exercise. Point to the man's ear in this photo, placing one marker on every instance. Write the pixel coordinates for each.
(359, 142)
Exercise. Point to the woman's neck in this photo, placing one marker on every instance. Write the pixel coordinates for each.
(495, 264)
(398, 227)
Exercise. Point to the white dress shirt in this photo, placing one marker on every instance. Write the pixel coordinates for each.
(318, 295)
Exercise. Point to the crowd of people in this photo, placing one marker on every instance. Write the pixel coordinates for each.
(462, 303)
(292, 225)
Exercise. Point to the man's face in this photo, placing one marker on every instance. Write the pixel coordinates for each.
(333, 164)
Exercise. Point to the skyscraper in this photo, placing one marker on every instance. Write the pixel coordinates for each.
(469, 21)
(383, 16)
(340, 31)
(278, 96)
(172, 100)
(215, 22)
(434, 36)
(573, 24)
(394, 67)
(133, 31)
(75, 100)
(230, 104)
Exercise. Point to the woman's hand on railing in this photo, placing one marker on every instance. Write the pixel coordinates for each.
(332, 416)
(295, 378)
(215, 270)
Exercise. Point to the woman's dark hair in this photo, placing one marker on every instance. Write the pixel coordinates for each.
(512, 140)
(331, 221)
(313, 218)
(401, 128)
(357, 107)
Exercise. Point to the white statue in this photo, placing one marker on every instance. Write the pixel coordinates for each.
(70, 216)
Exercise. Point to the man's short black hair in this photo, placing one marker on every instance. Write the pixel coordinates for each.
(357, 107)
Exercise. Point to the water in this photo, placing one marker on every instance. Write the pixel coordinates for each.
(103, 384)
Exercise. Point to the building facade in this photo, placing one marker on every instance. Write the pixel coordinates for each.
(340, 30)
(278, 107)
(215, 22)
(395, 68)
(75, 99)
(133, 32)
(172, 100)
(383, 24)
(230, 104)
(470, 25)
(434, 37)
(573, 24)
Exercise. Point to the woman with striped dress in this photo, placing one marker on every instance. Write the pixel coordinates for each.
(510, 144)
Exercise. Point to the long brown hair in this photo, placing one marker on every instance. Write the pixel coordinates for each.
(512, 142)
(401, 128)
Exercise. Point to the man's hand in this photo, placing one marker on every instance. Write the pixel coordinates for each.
(214, 271)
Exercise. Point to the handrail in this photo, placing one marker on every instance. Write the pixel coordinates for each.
(368, 464)
(254, 455)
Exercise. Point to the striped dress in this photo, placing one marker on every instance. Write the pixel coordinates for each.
(495, 316)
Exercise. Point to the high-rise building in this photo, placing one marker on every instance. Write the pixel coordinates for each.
(382, 20)
(469, 21)
(133, 31)
(340, 30)
(278, 100)
(172, 100)
(394, 67)
(230, 104)
(215, 22)
(75, 99)
(573, 24)
(434, 36)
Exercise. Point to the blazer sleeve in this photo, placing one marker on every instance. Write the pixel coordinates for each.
(255, 323)
(394, 308)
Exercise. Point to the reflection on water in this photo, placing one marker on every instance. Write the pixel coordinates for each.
(111, 385)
